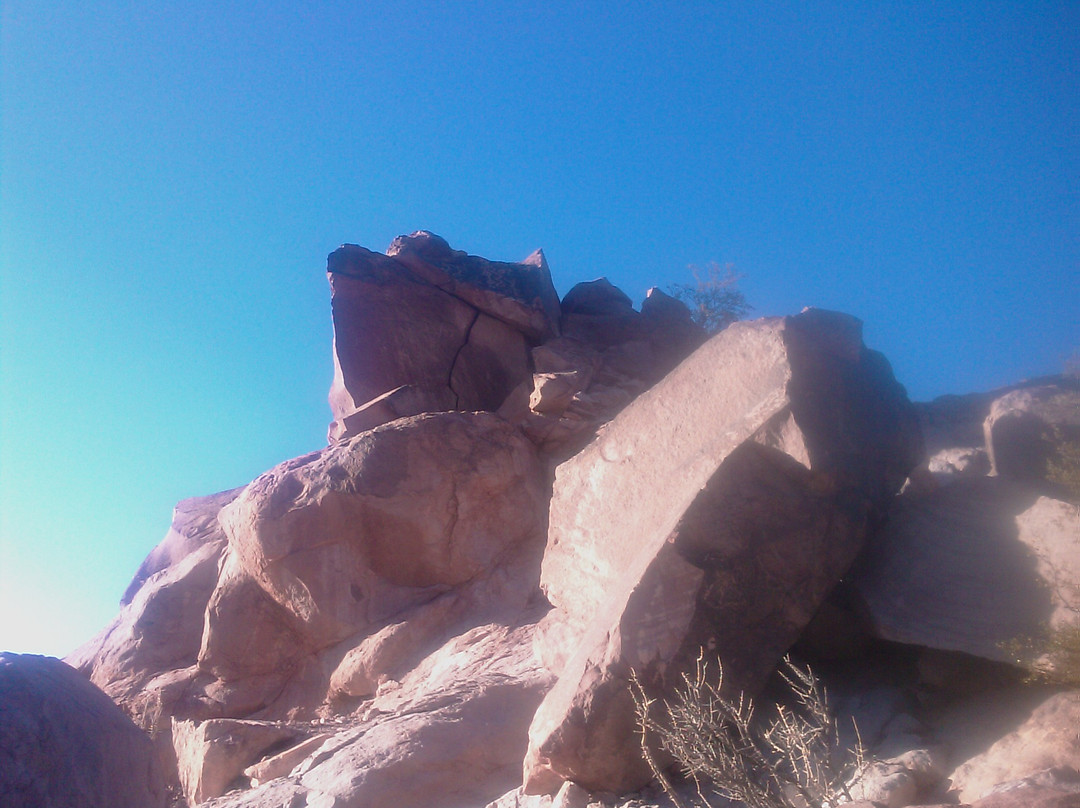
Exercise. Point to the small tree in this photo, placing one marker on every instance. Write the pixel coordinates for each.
(714, 298)
(790, 759)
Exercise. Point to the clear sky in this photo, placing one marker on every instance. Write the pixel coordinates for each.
(174, 174)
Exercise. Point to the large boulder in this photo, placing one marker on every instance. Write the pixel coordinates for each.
(345, 538)
(715, 512)
(979, 566)
(64, 744)
(438, 329)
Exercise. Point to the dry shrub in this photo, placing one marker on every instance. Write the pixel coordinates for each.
(789, 758)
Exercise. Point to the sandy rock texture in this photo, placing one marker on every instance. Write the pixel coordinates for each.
(715, 512)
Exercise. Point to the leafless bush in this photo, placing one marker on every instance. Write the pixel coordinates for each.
(790, 758)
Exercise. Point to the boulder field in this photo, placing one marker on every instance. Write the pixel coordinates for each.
(527, 501)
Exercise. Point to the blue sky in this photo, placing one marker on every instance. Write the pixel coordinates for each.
(173, 176)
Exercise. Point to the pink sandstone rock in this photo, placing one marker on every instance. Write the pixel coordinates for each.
(347, 537)
(212, 754)
(715, 511)
(973, 567)
(453, 330)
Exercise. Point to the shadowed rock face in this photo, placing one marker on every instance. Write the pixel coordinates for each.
(64, 744)
(972, 567)
(447, 330)
(716, 511)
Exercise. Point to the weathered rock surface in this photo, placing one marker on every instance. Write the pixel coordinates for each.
(607, 355)
(345, 538)
(64, 744)
(212, 754)
(716, 511)
(1046, 738)
(521, 295)
(973, 567)
(1025, 428)
(451, 733)
(452, 329)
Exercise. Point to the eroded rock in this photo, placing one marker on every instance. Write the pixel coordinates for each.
(452, 329)
(716, 511)
(973, 567)
(345, 538)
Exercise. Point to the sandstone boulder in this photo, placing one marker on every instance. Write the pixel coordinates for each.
(64, 744)
(715, 511)
(1045, 738)
(973, 567)
(1025, 429)
(521, 295)
(345, 538)
(439, 329)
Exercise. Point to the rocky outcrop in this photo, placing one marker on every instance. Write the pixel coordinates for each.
(523, 500)
(1016, 432)
(429, 329)
(1026, 428)
(450, 733)
(63, 743)
(608, 354)
(715, 512)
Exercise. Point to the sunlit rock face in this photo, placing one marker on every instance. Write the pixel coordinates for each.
(347, 537)
(716, 511)
(524, 499)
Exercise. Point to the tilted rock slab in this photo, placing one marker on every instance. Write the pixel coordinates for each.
(428, 329)
(715, 511)
(63, 743)
(976, 566)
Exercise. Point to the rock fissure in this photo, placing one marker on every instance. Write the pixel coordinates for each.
(457, 358)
